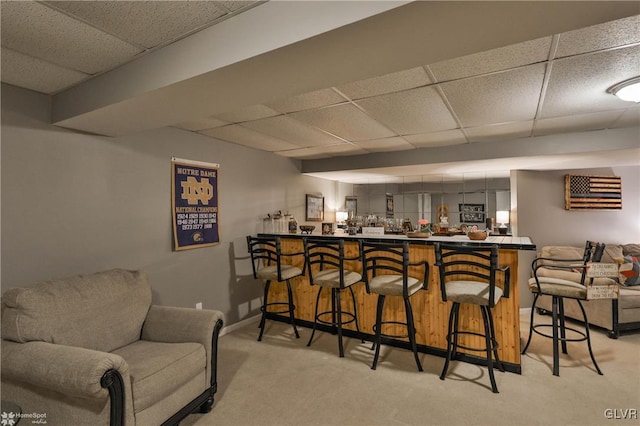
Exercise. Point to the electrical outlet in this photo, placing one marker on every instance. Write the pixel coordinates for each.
(199, 305)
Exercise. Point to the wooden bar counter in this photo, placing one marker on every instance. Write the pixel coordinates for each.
(431, 314)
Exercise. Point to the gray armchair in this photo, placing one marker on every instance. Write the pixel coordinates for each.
(93, 350)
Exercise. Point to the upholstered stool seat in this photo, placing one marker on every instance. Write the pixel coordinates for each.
(474, 292)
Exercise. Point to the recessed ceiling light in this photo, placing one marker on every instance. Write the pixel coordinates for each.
(628, 90)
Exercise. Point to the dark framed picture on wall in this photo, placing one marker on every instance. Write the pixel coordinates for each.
(314, 208)
(471, 213)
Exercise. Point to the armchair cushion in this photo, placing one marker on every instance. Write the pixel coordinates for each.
(112, 304)
(157, 369)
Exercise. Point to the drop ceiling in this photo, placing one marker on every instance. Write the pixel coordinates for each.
(543, 85)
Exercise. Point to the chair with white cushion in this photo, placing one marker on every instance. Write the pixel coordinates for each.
(268, 262)
(325, 263)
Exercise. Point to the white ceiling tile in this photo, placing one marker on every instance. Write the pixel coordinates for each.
(247, 137)
(579, 84)
(418, 110)
(35, 74)
(314, 153)
(389, 83)
(496, 98)
(252, 112)
(577, 123)
(345, 121)
(610, 34)
(205, 123)
(447, 137)
(521, 129)
(342, 149)
(386, 145)
(529, 52)
(144, 23)
(310, 100)
(40, 31)
(293, 131)
(629, 118)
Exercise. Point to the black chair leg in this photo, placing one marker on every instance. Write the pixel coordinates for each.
(489, 343)
(533, 309)
(378, 330)
(588, 335)
(563, 328)
(450, 336)
(291, 309)
(335, 295)
(412, 332)
(556, 355)
(264, 309)
(355, 313)
(315, 317)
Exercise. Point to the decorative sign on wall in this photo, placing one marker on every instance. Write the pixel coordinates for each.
(592, 192)
(194, 204)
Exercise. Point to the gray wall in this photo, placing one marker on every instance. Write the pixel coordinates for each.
(75, 203)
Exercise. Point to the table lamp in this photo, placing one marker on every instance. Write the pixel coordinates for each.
(502, 217)
(341, 218)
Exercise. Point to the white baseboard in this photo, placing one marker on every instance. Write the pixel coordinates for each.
(239, 324)
(525, 311)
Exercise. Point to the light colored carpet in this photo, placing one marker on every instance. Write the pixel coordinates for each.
(280, 381)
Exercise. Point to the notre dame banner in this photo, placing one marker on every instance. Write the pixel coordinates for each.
(194, 201)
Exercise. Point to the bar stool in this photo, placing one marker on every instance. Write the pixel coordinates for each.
(468, 276)
(551, 277)
(385, 268)
(266, 260)
(325, 264)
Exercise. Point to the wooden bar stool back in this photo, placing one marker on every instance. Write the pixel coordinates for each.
(269, 265)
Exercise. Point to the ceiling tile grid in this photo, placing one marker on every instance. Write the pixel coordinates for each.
(293, 131)
(389, 83)
(306, 101)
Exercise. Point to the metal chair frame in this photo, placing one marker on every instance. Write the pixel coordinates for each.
(558, 325)
(394, 258)
(268, 251)
(322, 254)
(483, 265)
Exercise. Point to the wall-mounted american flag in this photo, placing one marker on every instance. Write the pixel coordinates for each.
(592, 192)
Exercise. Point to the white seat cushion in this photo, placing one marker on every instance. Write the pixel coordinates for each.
(271, 272)
(559, 287)
(331, 278)
(391, 285)
(475, 292)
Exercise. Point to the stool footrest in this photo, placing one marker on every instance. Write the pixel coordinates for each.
(264, 307)
(494, 342)
(395, 336)
(582, 334)
(349, 315)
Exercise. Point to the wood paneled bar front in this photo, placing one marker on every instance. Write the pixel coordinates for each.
(431, 314)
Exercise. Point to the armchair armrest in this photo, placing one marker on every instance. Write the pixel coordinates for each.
(69, 370)
(169, 324)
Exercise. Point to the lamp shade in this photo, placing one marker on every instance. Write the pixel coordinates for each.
(341, 216)
(502, 216)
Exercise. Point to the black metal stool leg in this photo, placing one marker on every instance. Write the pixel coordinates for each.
(355, 312)
(586, 328)
(556, 355)
(291, 309)
(456, 321)
(450, 336)
(494, 341)
(264, 309)
(336, 295)
(533, 309)
(563, 328)
(378, 330)
(412, 332)
(489, 342)
(315, 317)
